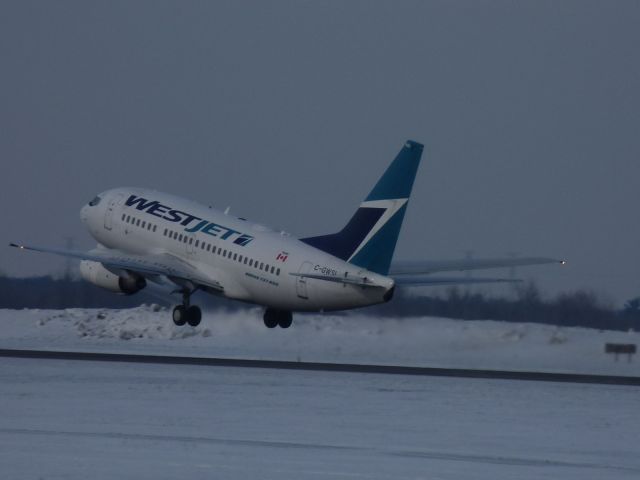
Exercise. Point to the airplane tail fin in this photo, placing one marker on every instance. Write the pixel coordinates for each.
(369, 238)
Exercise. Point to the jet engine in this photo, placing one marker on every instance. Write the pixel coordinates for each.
(97, 274)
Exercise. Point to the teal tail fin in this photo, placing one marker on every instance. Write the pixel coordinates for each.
(369, 238)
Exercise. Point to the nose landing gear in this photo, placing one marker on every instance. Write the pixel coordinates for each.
(273, 318)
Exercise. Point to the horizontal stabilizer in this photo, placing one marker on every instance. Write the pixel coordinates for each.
(435, 281)
(425, 267)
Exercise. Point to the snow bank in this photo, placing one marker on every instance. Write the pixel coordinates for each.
(423, 341)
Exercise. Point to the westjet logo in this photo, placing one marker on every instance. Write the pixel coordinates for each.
(155, 208)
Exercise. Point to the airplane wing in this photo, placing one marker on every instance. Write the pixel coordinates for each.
(149, 266)
(425, 267)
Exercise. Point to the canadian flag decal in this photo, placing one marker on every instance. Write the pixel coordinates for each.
(282, 256)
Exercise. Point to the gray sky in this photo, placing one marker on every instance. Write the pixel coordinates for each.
(289, 112)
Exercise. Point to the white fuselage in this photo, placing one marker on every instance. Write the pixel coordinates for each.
(251, 262)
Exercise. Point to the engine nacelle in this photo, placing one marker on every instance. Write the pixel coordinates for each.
(95, 273)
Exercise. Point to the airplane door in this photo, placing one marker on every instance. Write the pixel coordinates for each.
(108, 214)
(301, 282)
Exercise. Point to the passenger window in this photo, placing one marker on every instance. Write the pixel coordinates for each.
(155, 227)
(208, 247)
(272, 269)
(180, 237)
(138, 223)
(261, 265)
(224, 253)
(245, 260)
(278, 272)
(123, 217)
(197, 243)
(235, 256)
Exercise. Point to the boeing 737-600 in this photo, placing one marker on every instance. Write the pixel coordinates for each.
(148, 236)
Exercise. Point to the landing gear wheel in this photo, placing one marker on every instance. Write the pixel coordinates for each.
(194, 315)
(270, 318)
(273, 318)
(285, 320)
(179, 315)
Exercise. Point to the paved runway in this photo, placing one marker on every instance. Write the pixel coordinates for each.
(326, 367)
(101, 420)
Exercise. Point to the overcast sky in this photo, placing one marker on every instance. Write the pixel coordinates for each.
(290, 111)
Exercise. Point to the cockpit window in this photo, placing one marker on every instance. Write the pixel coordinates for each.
(94, 202)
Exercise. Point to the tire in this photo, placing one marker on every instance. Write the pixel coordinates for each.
(270, 318)
(179, 315)
(285, 320)
(194, 315)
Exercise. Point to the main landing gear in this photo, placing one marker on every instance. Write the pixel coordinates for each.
(186, 313)
(273, 318)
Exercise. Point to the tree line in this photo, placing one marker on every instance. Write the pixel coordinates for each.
(579, 308)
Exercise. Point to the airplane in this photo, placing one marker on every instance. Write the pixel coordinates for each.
(147, 236)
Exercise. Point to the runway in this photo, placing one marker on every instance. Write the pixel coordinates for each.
(325, 367)
(103, 419)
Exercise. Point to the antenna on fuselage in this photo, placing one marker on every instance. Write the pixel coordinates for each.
(226, 212)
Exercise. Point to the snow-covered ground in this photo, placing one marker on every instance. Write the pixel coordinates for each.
(95, 420)
(355, 338)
